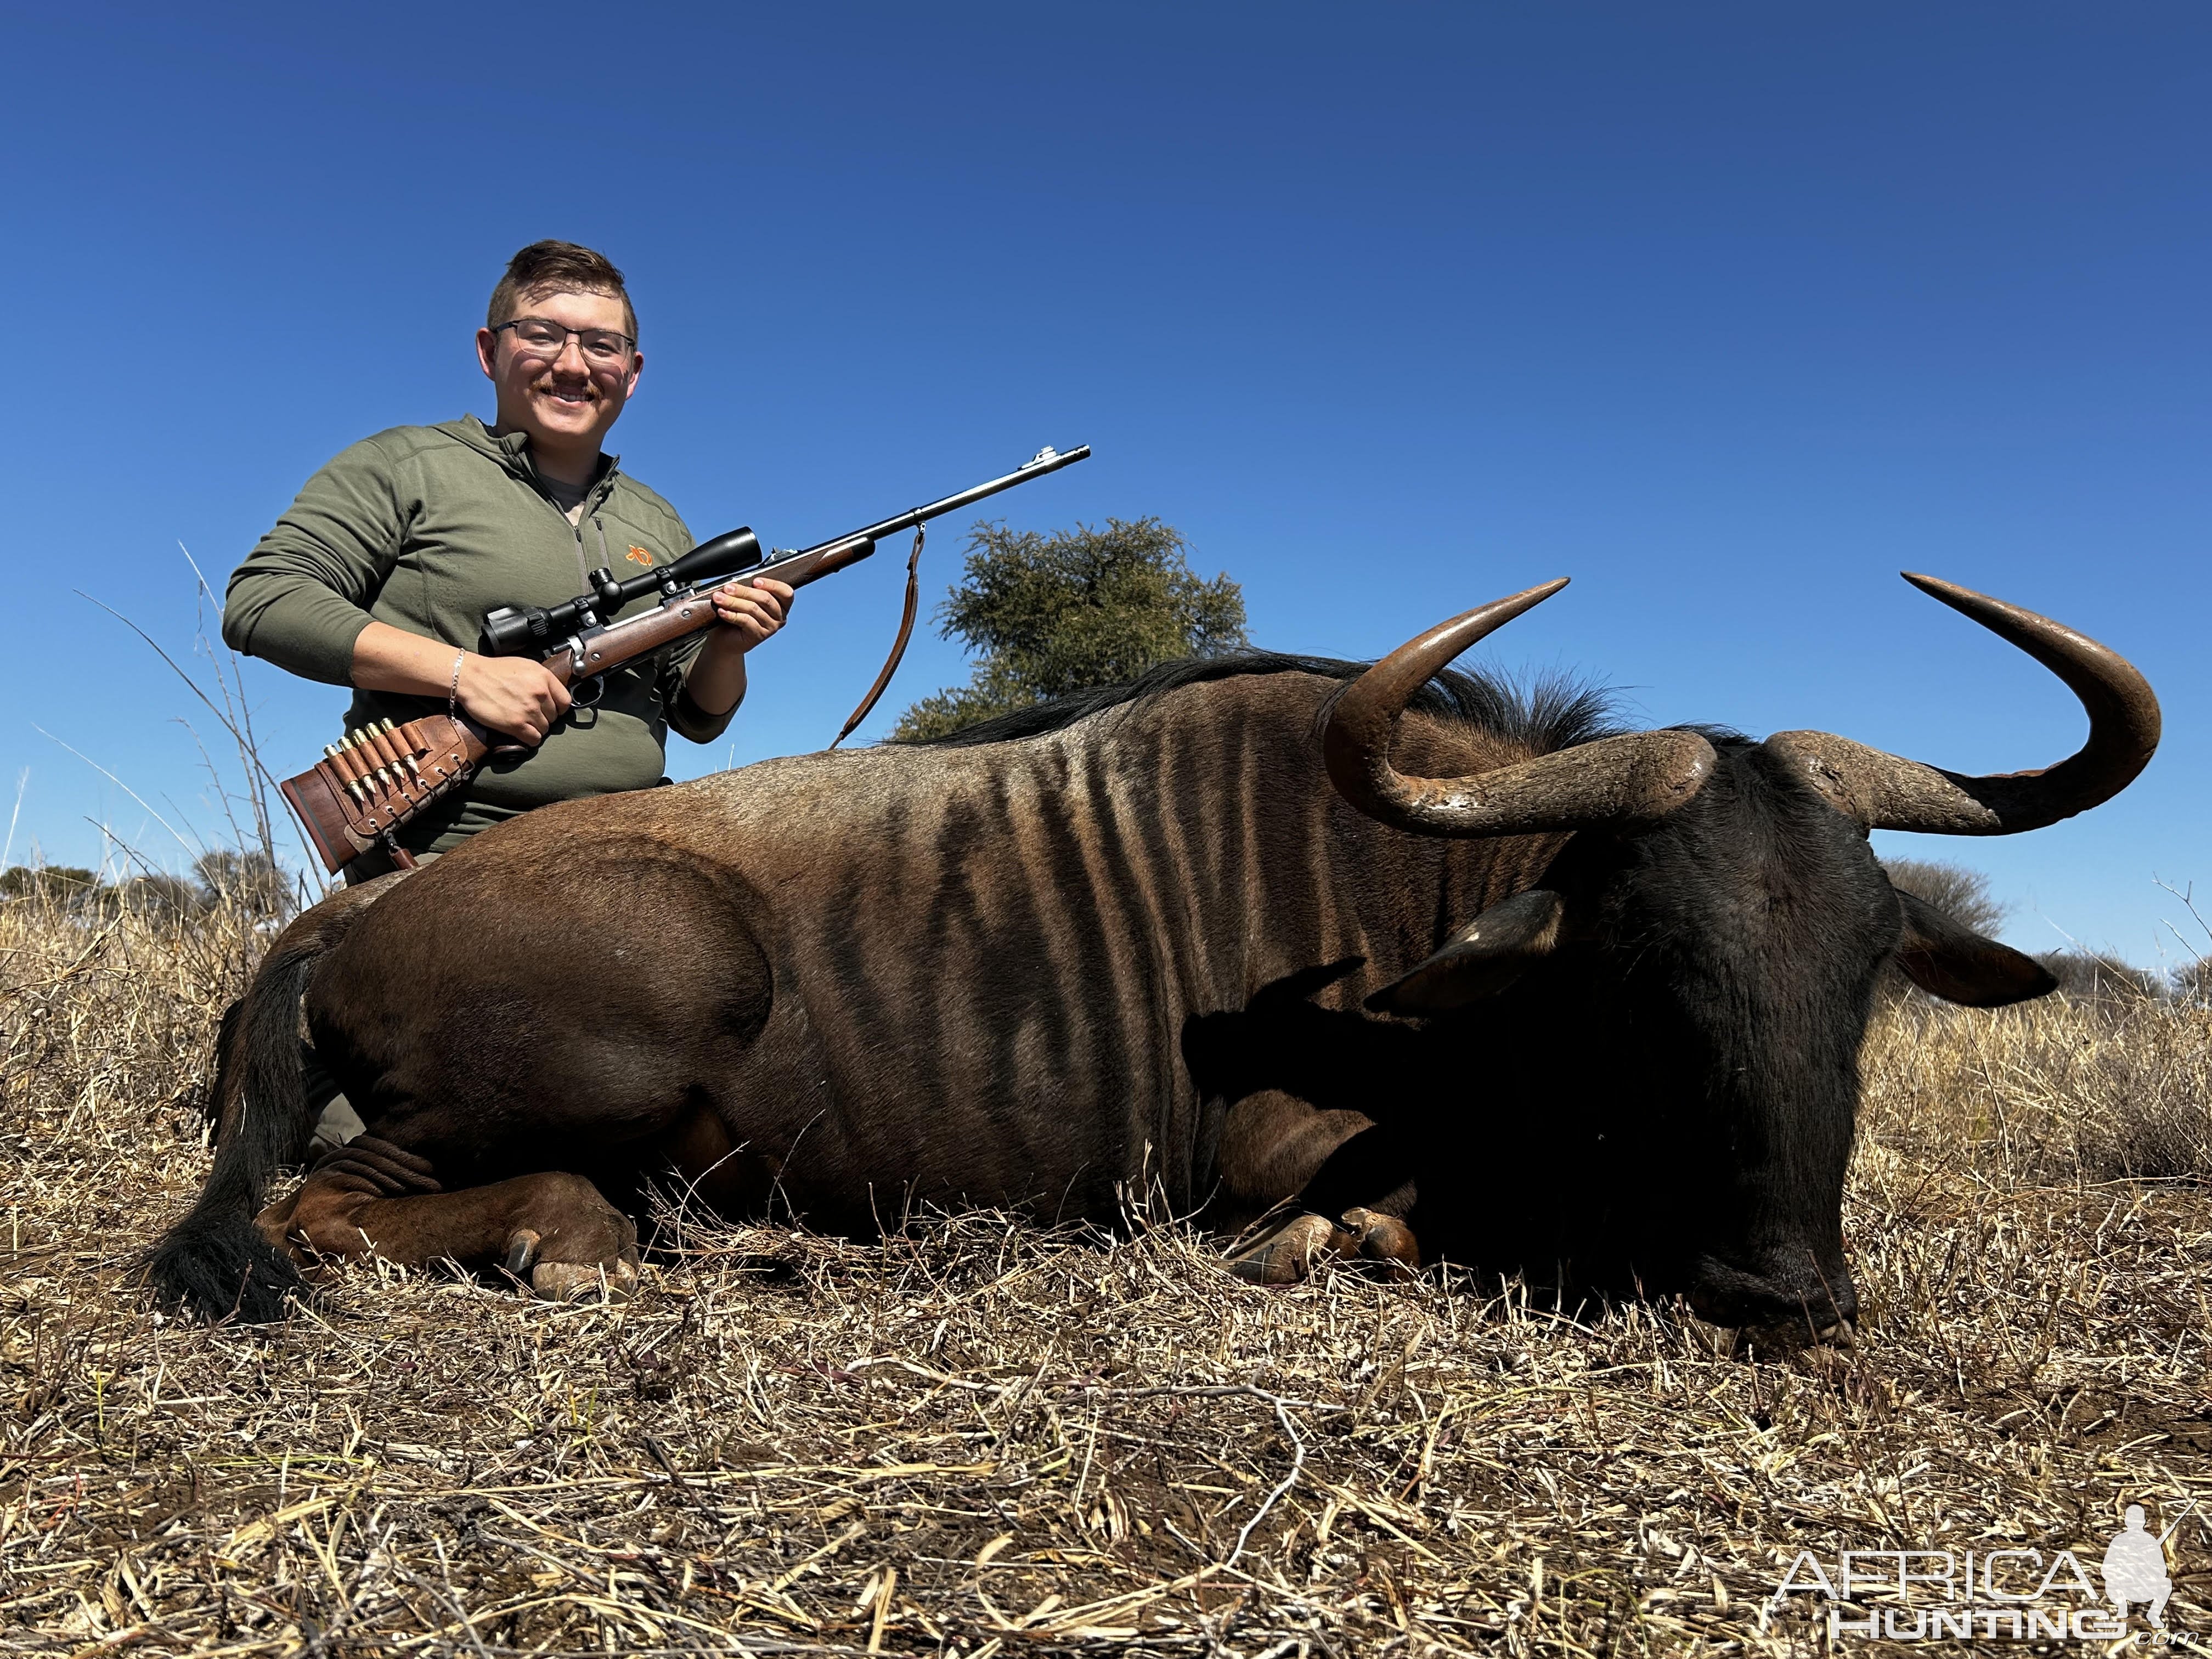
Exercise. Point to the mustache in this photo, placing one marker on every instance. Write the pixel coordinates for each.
(563, 383)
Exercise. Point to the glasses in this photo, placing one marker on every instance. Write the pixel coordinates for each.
(541, 336)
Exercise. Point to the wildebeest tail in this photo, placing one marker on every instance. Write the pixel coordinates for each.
(215, 1263)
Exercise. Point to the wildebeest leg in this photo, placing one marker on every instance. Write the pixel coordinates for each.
(371, 1198)
(1353, 1181)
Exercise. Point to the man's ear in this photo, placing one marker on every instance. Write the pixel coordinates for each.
(1481, 959)
(1947, 960)
(488, 353)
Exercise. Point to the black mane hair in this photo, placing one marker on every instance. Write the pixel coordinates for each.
(1551, 712)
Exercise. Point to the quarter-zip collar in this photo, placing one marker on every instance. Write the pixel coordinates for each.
(512, 451)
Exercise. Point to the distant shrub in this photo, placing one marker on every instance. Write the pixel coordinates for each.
(1049, 615)
(2193, 983)
(2085, 977)
(1960, 893)
(250, 884)
(251, 879)
(170, 898)
(56, 884)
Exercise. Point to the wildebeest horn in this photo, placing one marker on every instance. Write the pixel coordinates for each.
(1634, 779)
(1887, 792)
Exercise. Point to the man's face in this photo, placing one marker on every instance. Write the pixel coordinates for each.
(567, 402)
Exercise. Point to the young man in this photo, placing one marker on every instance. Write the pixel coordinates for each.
(378, 575)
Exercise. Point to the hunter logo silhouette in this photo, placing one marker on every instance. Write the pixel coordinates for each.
(2012, 1594)
(639, 555)
(2134, 1570)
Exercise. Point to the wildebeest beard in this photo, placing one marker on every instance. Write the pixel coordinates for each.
(1663, 1105)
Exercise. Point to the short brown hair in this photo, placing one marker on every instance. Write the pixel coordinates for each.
(551, 267)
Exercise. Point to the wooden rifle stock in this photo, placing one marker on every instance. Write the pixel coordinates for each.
(379, 777)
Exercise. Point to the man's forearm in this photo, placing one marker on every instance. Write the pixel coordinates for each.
(388, 658)
(714, 684)
(716, 681)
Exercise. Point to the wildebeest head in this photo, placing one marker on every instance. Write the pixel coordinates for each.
(1703, 955)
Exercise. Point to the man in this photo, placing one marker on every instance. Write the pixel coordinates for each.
(378, 575)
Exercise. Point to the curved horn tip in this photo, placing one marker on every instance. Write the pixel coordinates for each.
(1513, 605)
(1935, 586)
(1969, 602)
(1984, 609)
(1527, 596)
(1429, 652)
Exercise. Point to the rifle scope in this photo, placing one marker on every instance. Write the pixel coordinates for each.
(512, 630)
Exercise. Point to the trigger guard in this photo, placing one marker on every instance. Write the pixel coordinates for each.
(597, 684)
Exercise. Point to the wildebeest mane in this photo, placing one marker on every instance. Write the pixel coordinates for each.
(1551, 712)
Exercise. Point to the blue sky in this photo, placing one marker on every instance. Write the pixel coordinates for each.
(1729, 311)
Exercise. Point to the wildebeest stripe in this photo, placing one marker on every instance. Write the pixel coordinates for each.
(1162, 857)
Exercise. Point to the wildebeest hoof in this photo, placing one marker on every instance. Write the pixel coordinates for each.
(579, 1281)
(1286, 1254)
(1386, 1240)
(521, 1251)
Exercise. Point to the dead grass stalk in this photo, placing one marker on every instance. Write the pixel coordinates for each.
(982, 1438)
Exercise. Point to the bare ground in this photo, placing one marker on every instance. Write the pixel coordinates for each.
(984, 1439)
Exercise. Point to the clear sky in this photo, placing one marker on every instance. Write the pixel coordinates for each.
(1730, 311)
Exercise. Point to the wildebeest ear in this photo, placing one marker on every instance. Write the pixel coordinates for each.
(1481, 959)
(1948, 960)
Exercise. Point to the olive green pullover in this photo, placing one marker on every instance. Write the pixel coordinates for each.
(428, 528)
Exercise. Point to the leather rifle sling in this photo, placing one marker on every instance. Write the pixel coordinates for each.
(898, 647)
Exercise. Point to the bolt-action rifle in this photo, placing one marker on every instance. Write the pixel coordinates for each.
(378, 777)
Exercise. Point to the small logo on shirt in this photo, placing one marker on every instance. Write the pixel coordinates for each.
(639, 555)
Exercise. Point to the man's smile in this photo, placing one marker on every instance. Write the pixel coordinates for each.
(571, 394)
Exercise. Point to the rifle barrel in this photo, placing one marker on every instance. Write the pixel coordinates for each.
(1047, 461)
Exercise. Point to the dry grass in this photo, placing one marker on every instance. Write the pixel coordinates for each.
(981, 1438)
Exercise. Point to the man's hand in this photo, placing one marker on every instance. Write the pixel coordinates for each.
(519, 696)
(751, 609)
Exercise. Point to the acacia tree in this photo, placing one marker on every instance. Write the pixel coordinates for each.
(1047, 615)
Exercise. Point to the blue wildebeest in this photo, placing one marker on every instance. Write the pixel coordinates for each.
(1453, 972)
